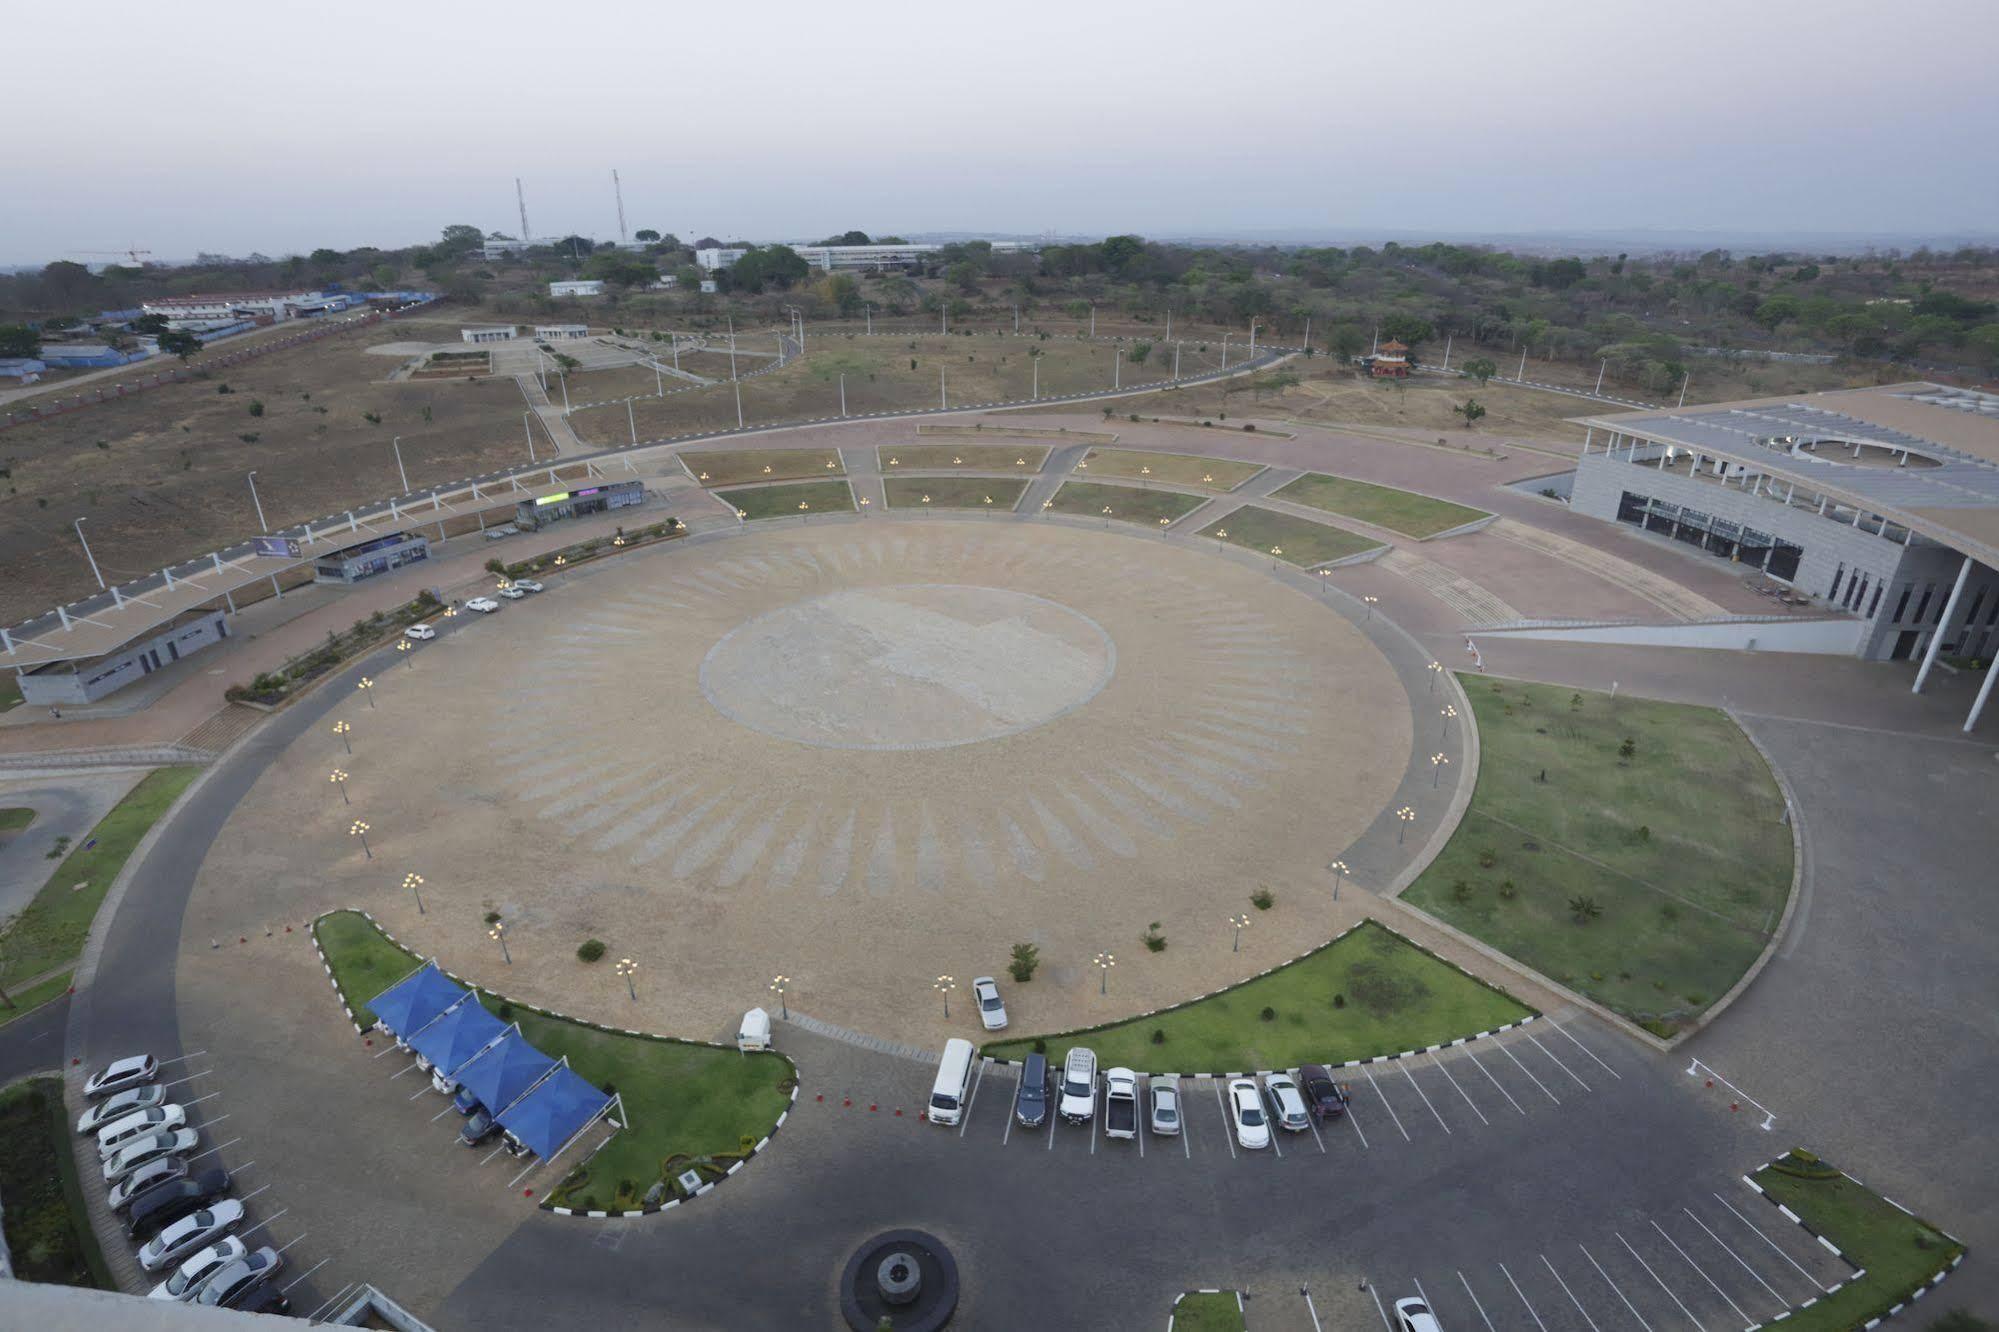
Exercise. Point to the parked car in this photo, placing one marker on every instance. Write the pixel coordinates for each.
(503, 530)
(1165, 1089)
(116, 1107)
(233, 1284)
(422, 633)
(1120, 1103)
(478, 1128)
(164, 1204)
(264, 1298)
(1287, 1107)
(1252, 1132)
(463, 1101)
(1325, 1098)
(193, 1273)
(527, 585)
(121, 1131)
(1079, 1086)
(135, 1154)
(121, 1074)
(512, 593)
(196, 1231)
(992, 1012)
(484, 605)
(154, 1173)
(1030, 1103)
(1415, 1316)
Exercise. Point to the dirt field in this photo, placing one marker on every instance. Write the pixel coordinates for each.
(160, 476)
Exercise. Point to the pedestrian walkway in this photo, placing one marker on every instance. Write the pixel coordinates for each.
(1676, 599)
(848, 1036)
(1477, 605)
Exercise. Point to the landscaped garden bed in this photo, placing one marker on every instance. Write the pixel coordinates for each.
(1401, 511)
(1285, 537)
(790, 500)
(996, 494)
(48, 1232)
(1127, 504)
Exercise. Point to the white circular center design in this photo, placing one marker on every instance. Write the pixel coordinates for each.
(924, 666)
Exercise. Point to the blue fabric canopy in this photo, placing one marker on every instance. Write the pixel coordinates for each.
(413, 1002)
(552, 1113)
(457, 1036)
(499, 1076)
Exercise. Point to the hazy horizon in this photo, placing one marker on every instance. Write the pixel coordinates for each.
(1782, 119)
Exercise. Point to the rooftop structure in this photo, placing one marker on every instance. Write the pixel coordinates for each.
(234, 305)
(577, 287)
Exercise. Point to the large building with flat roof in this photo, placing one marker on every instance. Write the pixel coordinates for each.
(1877, 503)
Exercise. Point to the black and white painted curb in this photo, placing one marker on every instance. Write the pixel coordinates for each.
(1205, 1290)
(651, 1208)
(1857, 1271)
(1350, 1063)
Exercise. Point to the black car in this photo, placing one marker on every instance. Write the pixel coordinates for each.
(1325, 1098)
(1030, 1103)
(163, 1204)
(265, 1298)
(476, 1129)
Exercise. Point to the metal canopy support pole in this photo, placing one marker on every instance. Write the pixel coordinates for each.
(1984, 692)
(1943, 627)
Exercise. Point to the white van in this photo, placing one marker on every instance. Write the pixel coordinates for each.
(954, 1080)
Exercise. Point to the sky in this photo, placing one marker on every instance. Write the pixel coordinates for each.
(235, 127)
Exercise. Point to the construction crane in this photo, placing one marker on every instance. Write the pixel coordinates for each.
(131, 252)
(619, 190)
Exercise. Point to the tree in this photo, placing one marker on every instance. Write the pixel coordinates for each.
(1118, 253)
(1348, 342)
(645, 235)
(620, 269)
(66, 281)
(458, 238)
(1471, 409)
(1480, 369)
(152, 323)
(840, 291)
(179, 342)
(848, 238)
(964, 275)
(774, 266)
(19, 340)
(1584, 909)
(327, 258)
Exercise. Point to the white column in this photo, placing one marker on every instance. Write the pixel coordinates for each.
(1984, 692)
(1943, 627)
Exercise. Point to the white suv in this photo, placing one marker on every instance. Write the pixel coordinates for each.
(1079, 1086)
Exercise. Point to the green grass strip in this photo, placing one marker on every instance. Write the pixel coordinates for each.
(953, 492)
(684, 1099)
(1899, 1252)
(783, 501)
(47, 1228)
(728, 467)
(1401, 511)
(33, 997)
(1283, 536)
(1369, 992)
(1217, 1311)
(1127, 504)
(51, 931)
(14, 818)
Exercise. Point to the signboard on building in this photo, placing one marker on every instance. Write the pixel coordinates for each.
(277, 547)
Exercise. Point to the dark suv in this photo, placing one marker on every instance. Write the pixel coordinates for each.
(1030, 1103)
(1325, 1098)
(164, 1204)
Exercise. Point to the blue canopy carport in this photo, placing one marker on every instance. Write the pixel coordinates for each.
(414, 1002)
(548, 1118)
(498, 1077)
(457, 1036)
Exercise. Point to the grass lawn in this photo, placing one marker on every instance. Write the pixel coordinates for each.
(736, 466)
(1898, 1252)
(1127, 504)
(33, 997)
(1304, 542)
(1218, 1312)
(953, 492)
(52, 929)
(1681, 846)
(10, 692)
(1384, 506)
(970, 457)
(48, 1233)
(783, 501)
(13, 818)
(684, 1100)
(1370, 992)
(1180, 469)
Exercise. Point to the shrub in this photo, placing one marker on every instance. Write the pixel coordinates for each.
(1629, 749)
(497, 566)
(1507, 890)
(1268, 1014)
(372, 418)
(1026, 957)
(505, 1012)
(492, 917)
(1262, 898)
(1040, 1046)
(1153, 939)
(1584, 909)
(1461, 891)
(255, 408)
(249, 437)
(1487, 859)
(1339, 1001)
(590, 949)
(1159, 1036)
(1644, 832)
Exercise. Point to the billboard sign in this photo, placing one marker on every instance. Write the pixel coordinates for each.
(276, 546)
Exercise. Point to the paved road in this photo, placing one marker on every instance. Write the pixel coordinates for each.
(34, 1044)
(67, 806)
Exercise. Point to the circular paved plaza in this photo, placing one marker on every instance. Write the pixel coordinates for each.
(859, 755)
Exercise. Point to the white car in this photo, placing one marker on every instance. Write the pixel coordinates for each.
(1415, 1316)
(992, 1012)
(159, 1119)
(1287, 1103)
(113, 1108)
(157, 1171)
(1079, 1086)
(527, 585)
(135, 1154)
(484, 605)
(422, 633)
(120, 1075)
(512, 593)
(1252, 1131)
(235, 1282)
(189, 1233)
(1165, 1090)
(193, 1273)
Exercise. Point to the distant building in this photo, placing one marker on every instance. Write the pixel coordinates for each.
(664, 282)
(499, 247)
(710, 286)
(23, 368)
(274, 305)
(556, 332)
(718, 258)
(488, 333)
(87, 356)
(367, 558)
(577, 287)
(90, 678)
(1390, 361)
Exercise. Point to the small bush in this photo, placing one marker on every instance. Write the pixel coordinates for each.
(1159, 1036)
(497, 565)
(255, 408)
(1487, 859)
(224, 388)
(1339, 1001)
(372, 418)
(492, 917)
(1507, 890)
(1268, 1014)
(590, 950)
(1026, 957)
(1584, 909)
(249, 437)
(505, 1012)
(1153, 939)
(1262, 898)
(1040, 1046)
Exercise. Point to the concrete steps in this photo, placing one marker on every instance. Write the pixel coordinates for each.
(1676, 600)
(222, 730)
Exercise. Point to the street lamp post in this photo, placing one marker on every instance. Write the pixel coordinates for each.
(1435, 668)
(341, 728)
(944, 985)
(1103, 962)
(88, 556)
(1339, 869)
(397, 445)
(499, 935)
(1240, 919)
(1370, 600)
(1448, 711)
(1405, 816)
(367, 688)
(360, 830)
(259, 503)
(1437, 762)
(414, 882)
(778, 985)
(628, 969)
(339, 780)
(403, 645)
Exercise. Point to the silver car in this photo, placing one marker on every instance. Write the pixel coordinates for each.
(157, 1171)
(1287, 1103)
(113, 1108)
(151, 1148)
(196, 1231)
(193, 1273)
(1165, 1089)
(121, 1074)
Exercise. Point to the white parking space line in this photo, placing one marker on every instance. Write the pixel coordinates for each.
(1703, 1273)
(267, 1220)
(1313, 1124)
(1093, 1127)
(1772, 1243)
(182, 1082)
(1782, 1303)
(1507, 1050)
(1271, 1131)
(1445, 1070)
(407, 1068)
(1053, 1120)
(1571, 1294)
(1311, 1309)
(1356, 1125)
(1377, 1305)
(1391, 1109)
(1614, 1286)
(1011, 1101)
(1586, 1050)
(495, 1152)
(211, 1123)
(326, 1304)
(1476, 1305)
(965, 1116)
(421, 1091)
(253, 1193)
(1523, 1298)
(213, 1150)
(442, 1113)
(1558, 1063)
(303, 1275)
(1494, 1081)
(295, 1239)
(1661, 1283)
(388, 1049)
(1425, 1095)
(1228, 1130)
(1422, 1294)
(198, 1100)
